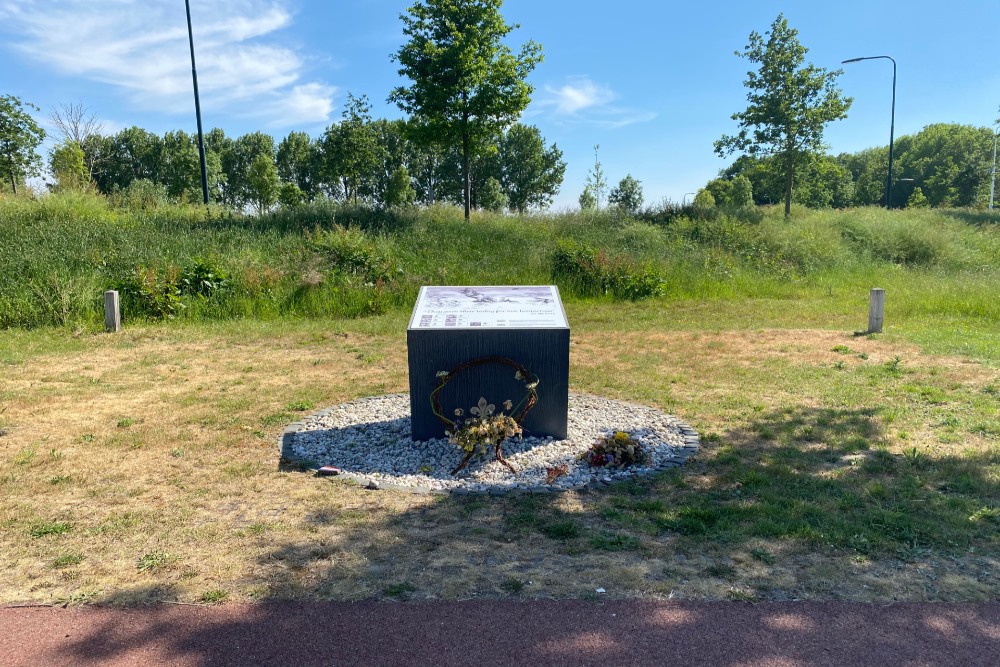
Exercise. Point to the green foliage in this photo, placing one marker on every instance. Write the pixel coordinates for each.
(19, 137)
(590, 272)
(742, 192)
(789, 104)
(203, 278)
(704, 199)
(263, 185)
(950, 163)
(350, 251)
(46, 528)
(328, 259)
(467, 83)
(351, 151)
(917, 199)
(399, 191)
(290, 195)
(146, 292)
(67, 165)
(299, 162)
(492, 196)
(141, 195)
(627, 195)
(596, 184)
(588, 200)
(251, 177)
(721, 191)
(529, 173)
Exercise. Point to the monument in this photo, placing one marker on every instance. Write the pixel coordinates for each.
(488, 342)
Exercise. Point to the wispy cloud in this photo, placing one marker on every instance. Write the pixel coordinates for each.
(140, 46)
(583, 101)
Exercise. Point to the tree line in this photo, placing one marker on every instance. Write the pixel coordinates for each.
(943, 165)
(461, 141)
(359, 160)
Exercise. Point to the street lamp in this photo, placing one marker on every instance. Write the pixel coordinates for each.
(197, 109)
(685, 197)
(892, 122)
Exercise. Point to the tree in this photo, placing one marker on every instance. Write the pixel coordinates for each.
(789, 104)
(491, 196)
(596, 182)
(263, 183)
(530, 173)
(467, 84)
(721, 190)
(399, 191)
(741, 195)
(180, 167)
(588, 200)
(75, 123)
(237, 160)
(67, 165)
(951, 163)
(627, 195)
(351, 148)
(704, 199)
(298, 163)
(19, 137)
(917, 199)
(131, 154)
(868, 168)
(290, 195)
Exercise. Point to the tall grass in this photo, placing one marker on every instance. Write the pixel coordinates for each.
(60, 252)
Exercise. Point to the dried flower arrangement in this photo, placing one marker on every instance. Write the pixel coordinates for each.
(485, 429)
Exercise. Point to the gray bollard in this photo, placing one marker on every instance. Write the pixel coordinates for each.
(876, 310)
(112, 313)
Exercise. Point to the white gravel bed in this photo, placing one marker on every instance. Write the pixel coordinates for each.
(369, 441)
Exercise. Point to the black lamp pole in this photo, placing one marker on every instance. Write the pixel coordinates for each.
(197, 109)
(892, 123)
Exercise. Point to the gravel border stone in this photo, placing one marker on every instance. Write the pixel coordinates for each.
(368, 441)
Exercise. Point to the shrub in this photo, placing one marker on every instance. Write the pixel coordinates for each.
(349, 251)
(202, 278)
(147, 292)
(593, 273)
(141, 194)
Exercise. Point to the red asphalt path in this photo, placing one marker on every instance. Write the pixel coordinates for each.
(506, 633)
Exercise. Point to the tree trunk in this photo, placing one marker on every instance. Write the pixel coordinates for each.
(466, 175)
(789, 175)
(13, 183)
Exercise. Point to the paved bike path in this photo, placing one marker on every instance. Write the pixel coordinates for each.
(505, 632)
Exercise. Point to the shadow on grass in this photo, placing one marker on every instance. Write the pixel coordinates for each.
(821, 479)
(971, 217)
(814, 476)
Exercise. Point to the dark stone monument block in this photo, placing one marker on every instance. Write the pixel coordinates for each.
(453, 325)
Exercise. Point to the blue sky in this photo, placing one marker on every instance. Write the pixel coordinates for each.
(654, 83)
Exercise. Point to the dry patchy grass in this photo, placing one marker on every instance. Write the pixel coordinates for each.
(143, 467)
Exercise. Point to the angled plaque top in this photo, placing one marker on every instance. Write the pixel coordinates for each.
(489, 307)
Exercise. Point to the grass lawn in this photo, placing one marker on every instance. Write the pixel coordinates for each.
(143, 466)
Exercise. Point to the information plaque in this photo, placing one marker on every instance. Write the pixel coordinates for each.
(452, 325)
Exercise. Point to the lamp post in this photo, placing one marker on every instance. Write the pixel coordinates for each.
(197, 108)
(892, 122)
(685, 197)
